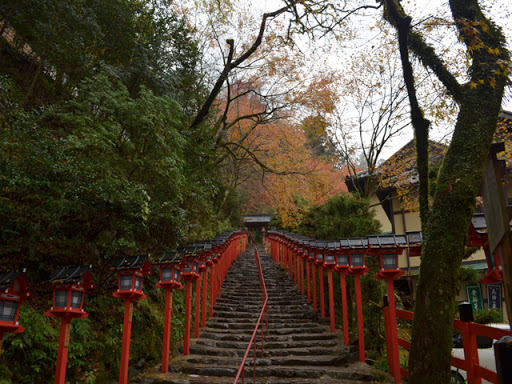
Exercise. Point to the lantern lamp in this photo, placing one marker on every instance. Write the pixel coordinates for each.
(342, 262)
(131, 271)
(200, 256)
(391, 246)
(356, 260)
(13, 290)
(303, 252)
(190, 264)
(208, 249)
(333, 249)
(308, 251)
(170, 270)
(358, 249)
(388, 261)
(478, 231)
(69, 287)
(415, 241)
(320, 248)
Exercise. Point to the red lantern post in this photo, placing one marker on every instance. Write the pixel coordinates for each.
(358, 249)
(312, 261)
(308, 274)
(201, 257)
(342, 266)
(209, 264)
(213, 274)
(320, 249)
(302, 258)
(69, 288)
(387, 248)
(169, 279)
(330, 264)
(130, 274)
(13, 290)
(189, 272)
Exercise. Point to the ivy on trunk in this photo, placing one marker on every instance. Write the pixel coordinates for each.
(446, 221)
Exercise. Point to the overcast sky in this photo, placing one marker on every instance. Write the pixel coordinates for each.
(499, 9)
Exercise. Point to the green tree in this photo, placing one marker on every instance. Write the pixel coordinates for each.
(340, 216)
(445, 223)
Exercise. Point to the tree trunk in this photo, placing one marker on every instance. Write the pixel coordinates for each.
(445, 236)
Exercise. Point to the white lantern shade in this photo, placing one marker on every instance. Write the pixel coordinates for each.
(8, 310)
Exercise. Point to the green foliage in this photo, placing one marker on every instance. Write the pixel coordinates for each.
(341, 216)
(487, 316)
(37, 346)
(468, 275)
(97, 161)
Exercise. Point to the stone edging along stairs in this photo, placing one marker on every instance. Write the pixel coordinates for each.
(299, 347)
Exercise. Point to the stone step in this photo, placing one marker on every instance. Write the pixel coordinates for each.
(216, 361)
(268, 345)
(242, 328)
(182, 378)
(306, 351)
(298, 371)
(268, 338)
(298, 347)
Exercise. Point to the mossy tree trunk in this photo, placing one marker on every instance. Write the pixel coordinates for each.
(445, 224)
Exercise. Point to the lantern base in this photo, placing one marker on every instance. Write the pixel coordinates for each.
(191, 276)
(129, 295)
(358, 270)
(70, 314)
(383, 275)
(492, 277)
(8, 327)
(168, 285)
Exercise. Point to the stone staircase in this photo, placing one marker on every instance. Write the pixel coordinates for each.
(299, 347)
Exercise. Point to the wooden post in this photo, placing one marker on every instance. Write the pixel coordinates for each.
(359, 304)
(188, 305)
(344, 307)
(205, 297)
(322, 299)
(313, 270)
(308, 281)
(212, 282)
(389, 348)
(395, 357)
(301, 263)
(62, 354)
(127, 334)
(470, 352)
(197, 319)
(331, 301)
(167, 330)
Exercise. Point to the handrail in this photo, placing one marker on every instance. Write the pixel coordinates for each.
(469, 329)
(264, 311)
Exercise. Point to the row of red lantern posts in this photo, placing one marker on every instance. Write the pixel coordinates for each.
(346, 256)
(70, 285)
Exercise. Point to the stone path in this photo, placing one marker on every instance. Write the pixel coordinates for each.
(299, 347)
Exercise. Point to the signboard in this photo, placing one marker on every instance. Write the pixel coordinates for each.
(474, 293)
(494, 294)
(495, 208)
